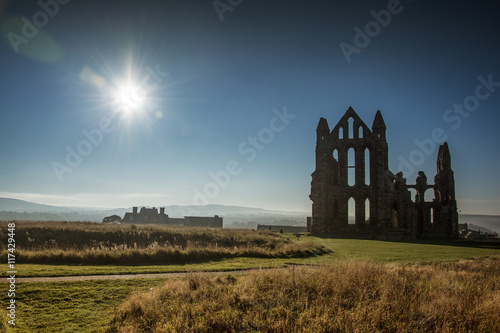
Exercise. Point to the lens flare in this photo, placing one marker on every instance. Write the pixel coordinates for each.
(130, 98)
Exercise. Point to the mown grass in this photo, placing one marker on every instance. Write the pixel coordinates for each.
(404, 252)
(345, 297)
(70, 307)
(231, 264)
(96, 244)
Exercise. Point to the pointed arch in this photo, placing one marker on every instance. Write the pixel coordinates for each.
(341, 132)
(367, 211)
(350, 128)
(367, 167)
(395, 215)
(351, 167)
(437, 195)
(429, 195)
(351, 211)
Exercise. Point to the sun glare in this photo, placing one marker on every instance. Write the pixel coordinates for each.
(130, 98)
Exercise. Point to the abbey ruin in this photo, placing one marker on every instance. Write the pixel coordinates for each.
(352, 169)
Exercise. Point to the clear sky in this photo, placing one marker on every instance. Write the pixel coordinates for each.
(121, 103)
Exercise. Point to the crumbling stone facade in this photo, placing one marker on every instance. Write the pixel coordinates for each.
(151, 216)
(352, 166)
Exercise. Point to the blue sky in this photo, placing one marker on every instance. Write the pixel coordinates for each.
(268, 71)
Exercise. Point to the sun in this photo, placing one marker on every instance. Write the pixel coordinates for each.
(129, 98)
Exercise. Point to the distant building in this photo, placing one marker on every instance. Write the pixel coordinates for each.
(465, 232)
(281, 228)
(202, 221)
(151, 216)
(146, 216)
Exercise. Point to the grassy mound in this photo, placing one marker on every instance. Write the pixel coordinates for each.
(347, 297)
(96, 244)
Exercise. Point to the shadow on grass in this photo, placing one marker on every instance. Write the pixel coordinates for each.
(492, 243)
(484, 243)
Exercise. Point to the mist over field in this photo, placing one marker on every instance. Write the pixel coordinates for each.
(234, 216)
(481, 222)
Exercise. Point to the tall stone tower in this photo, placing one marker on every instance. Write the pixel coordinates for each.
(445, 214)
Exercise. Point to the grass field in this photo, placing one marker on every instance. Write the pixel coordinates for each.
(366, 295)
(344, 297)
(89, 306)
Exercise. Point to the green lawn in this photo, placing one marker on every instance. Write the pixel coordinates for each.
(342, 249)
(32, 270)
(409, 252)
(84, 306)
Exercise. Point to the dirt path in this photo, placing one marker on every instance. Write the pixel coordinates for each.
(136, 276)
(118, 277)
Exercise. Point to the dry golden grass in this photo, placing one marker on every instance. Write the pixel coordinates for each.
(126, 244)
(162, 255)
(346, 297)
(35, 235)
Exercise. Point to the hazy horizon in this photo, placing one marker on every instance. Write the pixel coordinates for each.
(163, 103)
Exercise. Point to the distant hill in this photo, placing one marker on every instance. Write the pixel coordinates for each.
(485, 223)
(209, 210)
(234, 216)
(15, 205)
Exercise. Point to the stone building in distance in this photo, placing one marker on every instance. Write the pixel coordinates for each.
(352, 169)
(151, 216)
